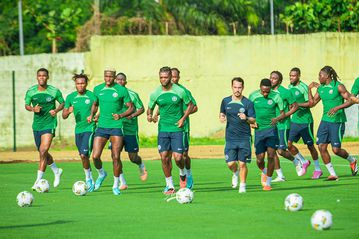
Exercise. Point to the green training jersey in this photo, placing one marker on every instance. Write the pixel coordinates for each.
(288, 99)
(266, 108)
(111, 100)
(130, 126)
(187, 124)
(300, 93)
(82, 105)
(170, 104)
(47, 101)
(331, 98)
(355, 87)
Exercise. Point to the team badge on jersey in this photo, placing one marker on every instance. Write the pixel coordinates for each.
(87, 101)
(114, 95)
(270, 102)
(297, 93)
(242, 110)
(174, 98)
(48, 99)
(330, 91)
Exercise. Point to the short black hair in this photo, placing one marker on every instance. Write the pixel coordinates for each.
(175, 69)
(266, 82)
(296, 69)
(44, 70)
(122, 74)
(81, 75)
(166, 69)
(238, 79)
(280, 76)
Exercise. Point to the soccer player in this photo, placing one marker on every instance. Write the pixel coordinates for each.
(130, 131)
(266, 102)
(80, 103)
(170, 99)
(332, 126)
(355, 91)
(290, 106)
(110, 98)
(238, 111)
(302, 124)
(41, 99)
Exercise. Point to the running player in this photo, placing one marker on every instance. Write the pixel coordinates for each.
(80, 103)
(41, 99)
(355, 91)
(110, 98)
(170, 99)
(332, 126)
(290, 106)
(238, 111)
(266, 102)
(130, 131)
(302, 124)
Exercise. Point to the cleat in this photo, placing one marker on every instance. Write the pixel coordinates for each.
(263, 179)
(305, 167)
(267, 188)
(90, 184)
(143, 174)
(33, 188)
(123, 187)
(234, 181)
(298, 169)
(57, 177)
(332, 178)
(242, 190)
(189, 182)
(99, 181)
(116, 191)
(317, 174)
(183, 183)
(169, 191)
(278, 179)
(354, 167)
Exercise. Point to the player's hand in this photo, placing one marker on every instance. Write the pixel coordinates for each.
(180, 123)
(242, 116)
(129, 117)
(274, 121)
(254, 126)
(116, 116)
(36, 108)
(53, 113)
(150, 119)
(89, 119)
(222, 118)
(155, 118)
(332, 111)
(313, 85)
(71, 109)
(354, 99)
(95, 118)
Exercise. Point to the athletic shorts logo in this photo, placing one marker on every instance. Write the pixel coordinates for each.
(114, 95)
(174, 98)
(159, 147)
(297, 93)
(242, 110)
(331, 92)
(87, 101)
(227, 157)
(270, 102)
(48, 99)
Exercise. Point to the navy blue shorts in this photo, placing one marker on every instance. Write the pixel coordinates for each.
(186, 141)
(108, 132)
(131, 143)
(171, 141)
(238, 150)
(38, 133)
(263, 139)
(304, 131)
(84, 142)
(283, 138)
(329, 132)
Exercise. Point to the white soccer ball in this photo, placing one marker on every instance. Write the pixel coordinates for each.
(293, 202)
(184, 195)
(322, 220)
(79, 188)
(42, 186)
(24, 199)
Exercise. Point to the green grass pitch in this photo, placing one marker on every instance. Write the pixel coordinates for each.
(218, 211)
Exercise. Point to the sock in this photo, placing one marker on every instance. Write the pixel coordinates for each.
(169, 182)
(300, 157)
(122, 179)
(182, 174)
(330, 169)
(350, 158)
(242, 185)
(88, 174)
(316, 165)
(279, 173)
(39, 175)
(264, 171)
(101, 172)
(141, 166)
(54, 168)
(269, 180)
(188, 172)
(115, 182)
(236, 173)
(295, 161)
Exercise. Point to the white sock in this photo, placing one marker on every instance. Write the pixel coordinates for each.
(181, 172)
(295, 161)
(279, 173)
(300, 158)
(242, 185)
(269, 180)
(101, 172)
(39, 175)
(330, 169)
(350, 158)
(264, 171)
(188, 172)
(54, 168)
(115, 182)
(236, 173)
(169, 182)
(316, 165)
(122, 179)
(141, 166)
(88, 174)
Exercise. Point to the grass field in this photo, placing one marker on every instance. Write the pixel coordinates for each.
(218, 211)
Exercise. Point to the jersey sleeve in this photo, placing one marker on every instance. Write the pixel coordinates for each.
(355, 88)
(305, 92)
(185, 97)
(223, 107)
(137, 102)
(291, 98)
(152, 102)
(59, 97)
(95, 94)
(251, 112)
(126, 96)
(68, 101)
(192, 98)
(27, 98)
(279, 102)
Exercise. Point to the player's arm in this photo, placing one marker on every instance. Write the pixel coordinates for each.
(188, 111)
(155, 117)
(67, 111)
(313, 100)
(292, 109)
(222, 117)
(57, 110)
(137, 103)
(94, 108)
(280, 117)
(354, 99)
(346, 95)
(195, 109)
(150, 115)
(35, 109)
(126, 113)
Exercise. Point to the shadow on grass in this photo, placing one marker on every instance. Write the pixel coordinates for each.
(35, 224)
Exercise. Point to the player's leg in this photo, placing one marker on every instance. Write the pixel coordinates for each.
(280, 176)
(177, 148)
(187, 162)
(100, 139)
(295, 133)
(164, 148)
(132, 148)
(243, 171)
(117, 144)
(260, 149)
(84, 145)
(244, 154)
(308, 138)
(231, 155)
(270, 167)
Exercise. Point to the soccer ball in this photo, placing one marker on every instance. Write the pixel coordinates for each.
(24, 199)
(79, 188)
(184, 195)
(42, 186)
(293, 202)
(322, 220)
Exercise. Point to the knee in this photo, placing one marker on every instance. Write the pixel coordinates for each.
(280, 152)
(133, 158)
(321, 148)
(336, 150)
(242, 166)
(43, 152)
